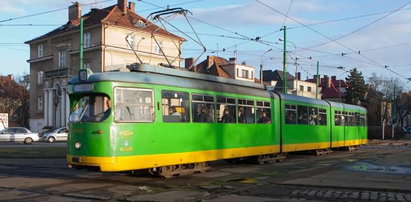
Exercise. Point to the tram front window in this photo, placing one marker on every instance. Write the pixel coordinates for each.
(91, 108)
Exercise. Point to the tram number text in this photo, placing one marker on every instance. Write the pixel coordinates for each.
(125, 149)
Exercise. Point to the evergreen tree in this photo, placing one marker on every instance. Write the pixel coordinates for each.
(357, 89)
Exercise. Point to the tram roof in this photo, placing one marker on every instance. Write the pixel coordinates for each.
(302, 99)
(149, 74)
(346, 106)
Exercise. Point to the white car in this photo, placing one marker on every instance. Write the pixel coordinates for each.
(18, 134)
(59, 134)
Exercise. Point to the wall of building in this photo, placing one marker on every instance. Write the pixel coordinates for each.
(118, 52)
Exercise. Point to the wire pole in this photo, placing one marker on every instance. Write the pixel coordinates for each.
(394, 113)
(285, 77)
(318, 80)
(81, 43)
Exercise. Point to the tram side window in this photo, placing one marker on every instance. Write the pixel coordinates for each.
(322, 116)
(203, 108)
(290, 114)
(263, 112)
(313, 118)
(302, 114)
(246, 111)
(363, 120)
(226, 110)
(350, 119)
(357, 119)
(175, 106)
(338, 120)
(134, 105)
(344, 119)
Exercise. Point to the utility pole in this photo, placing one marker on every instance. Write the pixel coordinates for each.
(318, 80)
(394, 114)
(285, 75)
(81, 43)
(339, 90)
(81, 52)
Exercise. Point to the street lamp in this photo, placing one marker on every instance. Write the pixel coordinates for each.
(296, 61)
(261, 65)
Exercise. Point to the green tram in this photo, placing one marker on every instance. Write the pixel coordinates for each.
(169, 120)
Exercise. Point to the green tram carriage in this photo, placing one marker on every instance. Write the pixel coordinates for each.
(156, 117)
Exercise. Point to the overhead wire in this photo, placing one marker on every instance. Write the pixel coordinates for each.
(346, 18)
(46, 12)
(286, 14)
(329, 38)
(363, 27)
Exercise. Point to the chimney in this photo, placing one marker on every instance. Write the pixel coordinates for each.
(122, 5)
(132, 6)
(298, 76)
(188, 62)
(328, 80)
(74, 13)
(232, 60)
(11, 77)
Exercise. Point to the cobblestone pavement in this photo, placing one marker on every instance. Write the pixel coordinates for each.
(380, 171)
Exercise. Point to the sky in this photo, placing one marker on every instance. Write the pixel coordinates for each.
(370, 35)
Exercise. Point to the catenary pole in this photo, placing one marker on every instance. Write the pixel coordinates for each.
(318, 80)
(285, 77)
(81, 43)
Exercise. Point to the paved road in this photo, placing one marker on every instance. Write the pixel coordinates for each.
(380, 171)
(34, 144)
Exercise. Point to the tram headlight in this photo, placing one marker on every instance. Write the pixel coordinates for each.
(77, 145)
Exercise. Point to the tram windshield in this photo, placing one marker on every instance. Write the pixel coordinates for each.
(91, 108)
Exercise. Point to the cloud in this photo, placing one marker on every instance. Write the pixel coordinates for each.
(11, 7)
(392, 30)
(253, 13)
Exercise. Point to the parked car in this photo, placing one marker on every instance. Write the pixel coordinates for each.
(408, 130)
(18, 134)
(59, 134)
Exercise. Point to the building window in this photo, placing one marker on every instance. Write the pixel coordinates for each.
(301, 88)
(87, 39)
(130, 40)
(252, 75)
(134, 105)
(40, 103)
(40, 51)
(40, 76)
(309, 89)
(175, 106)
(62, 58)
(159, 47)
(244, 73)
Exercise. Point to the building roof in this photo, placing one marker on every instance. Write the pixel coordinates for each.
(276, 75)
(111, 15)
(212, 65)
(332, 91)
